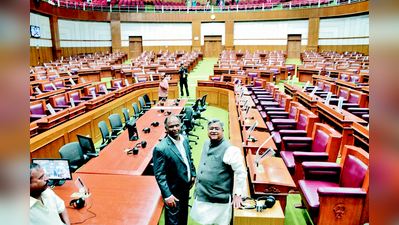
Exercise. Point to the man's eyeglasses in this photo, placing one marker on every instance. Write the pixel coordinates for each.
(213, 128)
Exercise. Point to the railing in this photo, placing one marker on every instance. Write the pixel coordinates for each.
(295, 4)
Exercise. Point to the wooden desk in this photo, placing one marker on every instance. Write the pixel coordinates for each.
(115, 199)
(324, 78)
(291, 90)
(271, 177)
(244, 98)
(220, 71)
(305, 74)
(341, 83)
(114, 160)
(361, 137)
(253, 146)
(341, 122)
(246, 122)
(92, 75)
(266, 75)
(271, 216)
(307, 101)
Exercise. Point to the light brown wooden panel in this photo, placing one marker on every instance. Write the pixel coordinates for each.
(342, 48)
(224, 100)
(66, 52)
(118, 109)
(116, 35)
(135, 46)
(313, 34)
(196, 30)
(83, 129)
(41, 55)
(96, 120)
(229, 38)
(50, 149)
(55, 37)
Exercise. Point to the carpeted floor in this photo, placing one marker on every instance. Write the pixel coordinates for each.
(203, 70)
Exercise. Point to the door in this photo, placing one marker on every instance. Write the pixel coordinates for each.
(135, 46)
(213, 46)
(294, 46)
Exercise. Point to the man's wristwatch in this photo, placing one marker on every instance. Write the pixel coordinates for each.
(237, 195)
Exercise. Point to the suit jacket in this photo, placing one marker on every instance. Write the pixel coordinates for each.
(169, 168)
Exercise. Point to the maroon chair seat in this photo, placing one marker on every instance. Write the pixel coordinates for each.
(327, 185)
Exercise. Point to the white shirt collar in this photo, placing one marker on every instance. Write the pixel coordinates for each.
(176, 142)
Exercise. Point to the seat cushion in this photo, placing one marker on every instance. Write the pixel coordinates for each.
(308, 192)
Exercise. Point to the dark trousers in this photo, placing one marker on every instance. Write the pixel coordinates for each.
(177, 215)
(183, 82)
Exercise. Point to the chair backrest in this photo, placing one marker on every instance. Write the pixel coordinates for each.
(326, 139)
(73, 152)
(59, 83)
(125, 114)
(326, 87)
(343, 93)
(203, 100)
(86, 144)
(354, 79)
(146, 99)
(294, 107)
(61, 100)
(37, 108)
(142, 104)
(257, 83)
(135, 108)
(353, 98)
(216, 78)
(188, 122)
(101, 87)
(75, 95)
(104, 130)
(319, 85)
(196, 104)
(305, 120)
(355, 167)
(48, 87)
(115, 121)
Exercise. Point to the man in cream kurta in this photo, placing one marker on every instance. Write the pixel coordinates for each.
(220, 160)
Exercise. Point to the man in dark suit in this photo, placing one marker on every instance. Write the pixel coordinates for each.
(183, 72)
(174, 171)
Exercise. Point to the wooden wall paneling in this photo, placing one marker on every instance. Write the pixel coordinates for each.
(118, 109)
(224, 100)
(50, 149)
(169, 48)
(135, 46)
(55, 37)
(342, 48)
(116, 34)
(313, 34)
(67, 52)
(229, 35)
(41, 55)
(96, 120)
(83, 129)
(196, 32)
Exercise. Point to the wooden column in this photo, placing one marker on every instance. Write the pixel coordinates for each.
(196, 32)
(229, 35)
(55, 38)
(116, 32)
(313, 35)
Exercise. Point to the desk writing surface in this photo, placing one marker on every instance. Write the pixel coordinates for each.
(116, 199)
(261, 136)
(114, 160)
(243, 99)
(247, 123)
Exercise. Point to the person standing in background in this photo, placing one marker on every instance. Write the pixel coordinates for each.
(213, 195)
(183, 80)
(163, 87)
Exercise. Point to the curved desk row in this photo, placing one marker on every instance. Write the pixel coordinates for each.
(47, 144)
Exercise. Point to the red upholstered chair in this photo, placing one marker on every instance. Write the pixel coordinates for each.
(337, 193)
(274, 124)
(37, 110)
(302, 126)
(323, 145)
(60, 101)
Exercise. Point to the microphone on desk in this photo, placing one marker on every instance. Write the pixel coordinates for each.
(270, 151)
